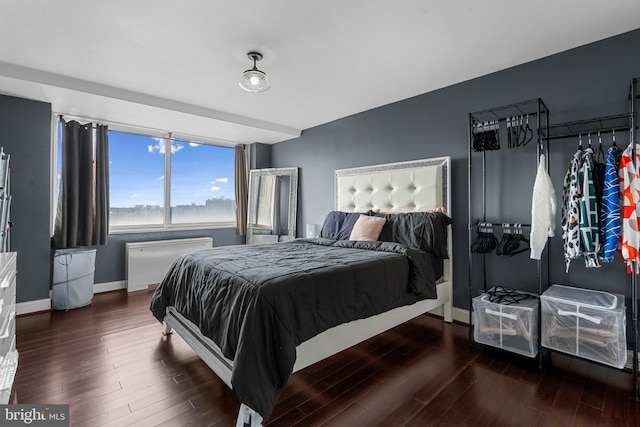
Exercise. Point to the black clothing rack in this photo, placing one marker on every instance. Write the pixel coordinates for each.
(480, 121)
(627, 122)
(593, 127)
(607, 124)
(502, 224)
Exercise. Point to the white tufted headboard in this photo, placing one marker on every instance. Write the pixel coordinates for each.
(412, 186)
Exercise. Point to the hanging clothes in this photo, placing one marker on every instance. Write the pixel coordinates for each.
(597, 172)
(543, 210)
(589, 215)
(570, 217)
(630, 191)
(610, 212)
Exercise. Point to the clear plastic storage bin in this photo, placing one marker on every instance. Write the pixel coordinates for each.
(585, 323)
(512, 327)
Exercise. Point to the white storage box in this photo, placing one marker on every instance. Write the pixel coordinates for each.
(512, 327)
(585, 323)
(73, 272)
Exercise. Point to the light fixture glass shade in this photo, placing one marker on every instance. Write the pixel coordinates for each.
(254, 80)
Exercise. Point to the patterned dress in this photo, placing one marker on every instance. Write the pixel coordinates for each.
(570, 219)
(630, 194)
(589, 215)
(610, 213)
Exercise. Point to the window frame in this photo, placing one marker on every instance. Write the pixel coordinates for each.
(167, 137)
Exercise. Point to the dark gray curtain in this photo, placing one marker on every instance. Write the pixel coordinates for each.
(101, 220)
(241, 179)
(82, 217)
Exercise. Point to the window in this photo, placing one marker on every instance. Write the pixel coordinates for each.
(202, 188)
(157, 182)
(136, 180)
(196, 182)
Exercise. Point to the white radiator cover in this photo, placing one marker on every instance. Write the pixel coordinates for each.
(148, 262)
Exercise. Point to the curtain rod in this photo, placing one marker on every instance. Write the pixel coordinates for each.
(138, 129)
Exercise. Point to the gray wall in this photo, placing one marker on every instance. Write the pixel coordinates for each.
(586, 82)
(110, 259)
(25, 134)
(589, 81)
(260, 157)
(25, 129)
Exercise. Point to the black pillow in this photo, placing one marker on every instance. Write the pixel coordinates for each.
(338, 225)
(422, 230)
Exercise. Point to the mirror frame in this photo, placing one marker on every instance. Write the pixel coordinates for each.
(292, 173)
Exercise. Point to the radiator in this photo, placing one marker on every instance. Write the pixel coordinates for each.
(148, 262)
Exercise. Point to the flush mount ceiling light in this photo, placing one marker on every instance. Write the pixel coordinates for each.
(254, 80)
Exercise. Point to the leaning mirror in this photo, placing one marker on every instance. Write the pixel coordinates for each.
(273, 200)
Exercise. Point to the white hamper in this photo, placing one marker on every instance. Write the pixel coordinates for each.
(585, 323)
(73, 271)
(512, 327)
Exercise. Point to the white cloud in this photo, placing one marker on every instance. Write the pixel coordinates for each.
(160, 178)
(214, 189)
(134, 196)
(159, 147)
(221, 180)
(194, 144)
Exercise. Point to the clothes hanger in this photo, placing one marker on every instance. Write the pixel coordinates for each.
(518, 237)
(512, 237)
(528, 133)
(485, 241)
(486, 135)
(580, 142)
(506, 296)
(511, 133)
(601, 154)
(614, 138)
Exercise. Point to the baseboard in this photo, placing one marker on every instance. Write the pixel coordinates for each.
(459, 315)
(109, 286)
(34, 306)
(629, 364)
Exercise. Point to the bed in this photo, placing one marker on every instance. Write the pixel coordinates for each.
(257, 313)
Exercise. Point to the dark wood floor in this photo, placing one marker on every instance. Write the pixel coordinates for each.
(111, 364)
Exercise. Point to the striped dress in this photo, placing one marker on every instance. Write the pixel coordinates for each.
(589, 215)
(610, 213)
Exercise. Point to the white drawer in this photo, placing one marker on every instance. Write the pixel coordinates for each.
(8, 270)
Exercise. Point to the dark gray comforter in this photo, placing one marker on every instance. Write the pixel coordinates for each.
(258, 302)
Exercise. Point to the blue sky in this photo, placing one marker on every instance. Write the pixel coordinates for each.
(136, 165)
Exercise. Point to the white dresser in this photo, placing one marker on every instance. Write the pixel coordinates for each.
(8, 352)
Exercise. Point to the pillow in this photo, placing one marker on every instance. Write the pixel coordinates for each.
(338, 225)
(367, 228)
(423, 230)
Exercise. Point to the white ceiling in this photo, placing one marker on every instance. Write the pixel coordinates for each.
(174, 65)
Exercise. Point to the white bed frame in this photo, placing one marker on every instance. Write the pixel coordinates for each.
(394, 187)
